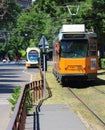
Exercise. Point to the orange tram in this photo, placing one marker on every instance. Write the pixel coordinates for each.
(75, 54)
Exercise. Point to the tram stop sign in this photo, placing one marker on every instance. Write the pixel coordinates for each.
(43, 43)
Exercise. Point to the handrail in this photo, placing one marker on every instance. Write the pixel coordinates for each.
(17, 122)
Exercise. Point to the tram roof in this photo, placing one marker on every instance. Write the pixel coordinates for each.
(33, 48)
(73, 28)
(75, 31)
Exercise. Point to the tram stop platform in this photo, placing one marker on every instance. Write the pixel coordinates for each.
(57, 117)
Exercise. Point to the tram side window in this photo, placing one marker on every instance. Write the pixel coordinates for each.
(92, 48)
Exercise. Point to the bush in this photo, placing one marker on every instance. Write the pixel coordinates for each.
(103, 63)
(14, 98)
(15, 95)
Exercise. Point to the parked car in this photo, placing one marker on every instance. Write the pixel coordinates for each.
(4, 60)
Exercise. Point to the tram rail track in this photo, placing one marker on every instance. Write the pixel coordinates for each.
(86, 91)
(100, 91)
(87, 106)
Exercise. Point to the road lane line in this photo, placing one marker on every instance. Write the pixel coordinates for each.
(28, 74)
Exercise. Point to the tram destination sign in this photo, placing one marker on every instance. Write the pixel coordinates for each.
(73, 35)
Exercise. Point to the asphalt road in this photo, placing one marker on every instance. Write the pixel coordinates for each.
(11, 76)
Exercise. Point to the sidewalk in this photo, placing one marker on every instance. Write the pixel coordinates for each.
(57, 117)
(4, 116)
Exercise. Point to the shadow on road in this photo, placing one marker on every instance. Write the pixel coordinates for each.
(10, 78)
(6, 88)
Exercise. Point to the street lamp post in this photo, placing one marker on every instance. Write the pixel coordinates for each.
(6, 44)
(7, 33)
(6, 36)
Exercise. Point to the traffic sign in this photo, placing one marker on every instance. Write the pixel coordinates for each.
(43, 43)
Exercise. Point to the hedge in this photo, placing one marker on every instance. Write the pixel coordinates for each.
(103, 63)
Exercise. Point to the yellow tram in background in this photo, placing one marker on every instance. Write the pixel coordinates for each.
(32, 57)
(75, 54)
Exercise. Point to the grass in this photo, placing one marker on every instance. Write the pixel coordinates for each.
(61, 95)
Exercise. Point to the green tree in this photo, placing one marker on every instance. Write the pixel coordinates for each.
(46, 17)
(14, 45)
(42, 18)
(9, 12)
(99, 23)
(95, 17)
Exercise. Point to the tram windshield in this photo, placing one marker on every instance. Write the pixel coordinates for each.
(74, 48)
(33, 55)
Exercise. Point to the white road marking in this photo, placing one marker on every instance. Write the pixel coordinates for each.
(28, 74)
(4, 98)
(4, 101)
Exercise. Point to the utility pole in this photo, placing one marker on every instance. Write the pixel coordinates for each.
(7, 35)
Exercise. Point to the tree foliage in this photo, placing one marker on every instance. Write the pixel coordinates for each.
(45, 17)
(96, 19)
(9, 11)
(99, 23)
